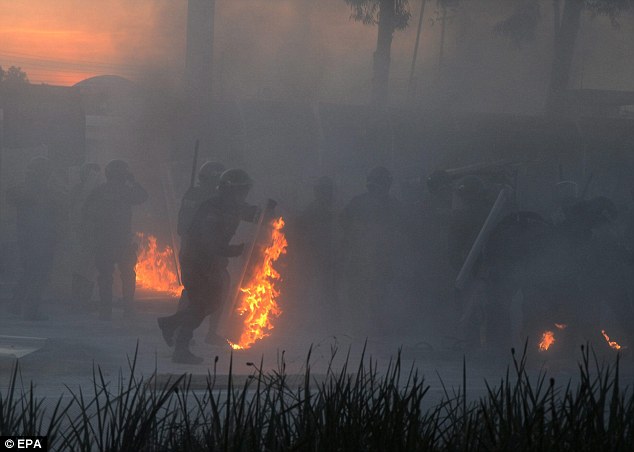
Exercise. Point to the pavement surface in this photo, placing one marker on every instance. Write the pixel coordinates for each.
(73, 344)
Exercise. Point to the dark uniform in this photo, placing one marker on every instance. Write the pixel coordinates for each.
(208, 177)
(83, 264)
(194, 197)
(108, 211)
(314, 243)
(40, 214)
(204, 259)
(372, 224)
(603, 276)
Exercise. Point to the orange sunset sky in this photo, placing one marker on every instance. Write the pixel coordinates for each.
(303, 48)
(64, 41)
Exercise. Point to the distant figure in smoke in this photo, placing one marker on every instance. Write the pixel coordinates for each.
(470, 208)
(84, 267)
(204, 259)
(315, 242)
(372, 223)
(603, 260)
(108, 211)
(40, 214)
(565, 195)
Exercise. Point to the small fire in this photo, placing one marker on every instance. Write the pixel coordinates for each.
(612, 344)
(155, 267)
(257, 303)
(548, 339)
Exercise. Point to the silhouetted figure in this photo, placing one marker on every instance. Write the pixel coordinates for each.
(208, 178)
(204, 259)
(372, 223)
(315, 248)
(40, 214)
(470, 207)
(565, 195)
(108, 211)
(84, 270)
(603, 260)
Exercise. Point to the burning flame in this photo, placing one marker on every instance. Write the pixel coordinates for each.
(257, 303)
(613, 344)
(548, 339)
(155, 267)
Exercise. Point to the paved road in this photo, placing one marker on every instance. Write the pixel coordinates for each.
(77, 342)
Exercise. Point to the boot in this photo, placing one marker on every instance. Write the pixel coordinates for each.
(214, 339)
(184, 356)
(167, 330)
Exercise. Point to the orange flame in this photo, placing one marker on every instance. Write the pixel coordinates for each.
(257, 303)
(548, 339)
(155, 267)
(613, 344)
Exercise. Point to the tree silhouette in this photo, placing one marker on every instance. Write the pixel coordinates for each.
(389, 15)
(520, 27)
(14, 76)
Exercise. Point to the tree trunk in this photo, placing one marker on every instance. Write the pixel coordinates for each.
(381, 69)
(564, 48)
(443, 25)
(410, 87)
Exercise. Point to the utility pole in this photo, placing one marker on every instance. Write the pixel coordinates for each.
(410, 87)
(199, 57)
(443, 25)
(198, 77)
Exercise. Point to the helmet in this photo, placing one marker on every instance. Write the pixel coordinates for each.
(379, 179)
(234, 178)
(566, 192)
(210, 171)
(116, 170)
(88, 168)
(470, 188)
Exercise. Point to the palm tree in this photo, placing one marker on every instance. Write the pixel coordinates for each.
(389, 15)
(567, 21)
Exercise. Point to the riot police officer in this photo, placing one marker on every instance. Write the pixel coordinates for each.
(108, 211)
(84, 271)
(373, 225)
(204, 259)
(40, 215)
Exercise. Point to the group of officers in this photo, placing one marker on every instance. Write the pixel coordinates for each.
(563, 267)
(98, 216)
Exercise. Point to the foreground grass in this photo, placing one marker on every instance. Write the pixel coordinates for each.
(351, 409)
